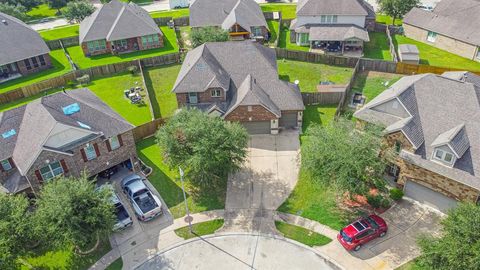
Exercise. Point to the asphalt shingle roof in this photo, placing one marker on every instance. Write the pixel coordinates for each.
(337, 32)
(332, 7)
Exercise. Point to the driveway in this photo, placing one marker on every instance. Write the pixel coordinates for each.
(264, 182)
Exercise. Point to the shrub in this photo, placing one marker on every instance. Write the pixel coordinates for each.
(375, 200)
(396, 194)
(385, 203)
(85, 79)
(133, 69)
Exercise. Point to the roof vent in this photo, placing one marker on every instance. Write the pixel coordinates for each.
(83, 125)
(71, 109)
(4, 21)
(9, 134)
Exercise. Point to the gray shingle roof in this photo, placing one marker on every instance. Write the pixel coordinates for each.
(443, 111)
(458, 19)
(250, 58)
(331, 7)
(226, 13)
(408, 48)
(337, 32)
(117, 20)
(18, 41)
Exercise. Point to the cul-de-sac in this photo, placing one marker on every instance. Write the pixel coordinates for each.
(239, 134)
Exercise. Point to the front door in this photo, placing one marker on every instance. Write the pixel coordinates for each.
(192, 98)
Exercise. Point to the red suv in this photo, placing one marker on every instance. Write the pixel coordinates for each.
(362, 231)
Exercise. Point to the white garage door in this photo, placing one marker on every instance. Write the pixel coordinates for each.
(260, 127)
(428, 196)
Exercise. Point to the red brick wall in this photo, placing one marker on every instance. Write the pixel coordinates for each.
(160, 44)
(22, 67)
(203, 97)
(258, 113)
(108, 49)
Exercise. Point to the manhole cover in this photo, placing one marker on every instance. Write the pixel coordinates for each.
(188, 219)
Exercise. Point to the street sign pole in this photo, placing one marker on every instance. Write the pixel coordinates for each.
(189, 218)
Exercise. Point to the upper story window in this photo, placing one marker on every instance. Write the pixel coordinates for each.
(444, 156)
(96, 45)
(6, 165)
(90, 152)
(431, 36)
(329, 18)
(51, 170)
(149, 40)
(42, 60)
(114, 143)
(249, 108)
(27, 64)
(216, 93)
(398, 147)
(256, 31)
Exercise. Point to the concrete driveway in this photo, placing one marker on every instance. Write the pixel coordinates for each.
(264, 182)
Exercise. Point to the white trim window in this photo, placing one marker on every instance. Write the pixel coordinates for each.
(257, 31)
(150, 40)
(478, 53)
(443, 156)
(51, 170)
(114, 143)
(431, 36)
(329, 19)
(90, 152)
(216, 93)
(6, 165)
(96, 45)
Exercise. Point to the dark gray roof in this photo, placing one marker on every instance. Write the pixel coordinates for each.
(117, 20)
(215, 60)
(15, 183)
(458, 19)
(226, 13)
(332, 7)
(34, 122)
(443, 110)
(18, 41)
(337, 32)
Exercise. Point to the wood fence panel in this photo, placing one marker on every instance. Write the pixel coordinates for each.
(67, 42)
(162, 21)
(322, 98)
(148, 129)
(181, 21)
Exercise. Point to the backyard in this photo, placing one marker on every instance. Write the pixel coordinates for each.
(311, 74)
(378, 47)
(40, 12)
(60, 32)
(285, 43)
(176, 13)
(372, 83)
(385, 19)
(273, 27)
(288, 10)
(160, 81)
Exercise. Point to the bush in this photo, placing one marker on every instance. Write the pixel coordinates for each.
(396, 194)
(375, 200)
(208, 34)
(85, 79)
(385, 203)
(132, 69)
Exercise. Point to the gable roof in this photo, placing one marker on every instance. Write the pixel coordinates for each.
(457, 19)
(117, 20)
(333, 7)
(18, 41)
(226, 13)
(442, 111)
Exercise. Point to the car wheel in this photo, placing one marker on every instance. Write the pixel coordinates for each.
(382, 234)
(357, 248)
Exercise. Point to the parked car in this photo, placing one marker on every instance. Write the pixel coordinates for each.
(146, 205)
(362, 231)
(123, 218)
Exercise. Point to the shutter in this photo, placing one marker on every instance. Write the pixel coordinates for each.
(64, 166)
(84, 156)
(109, 147)
(120, 141)
(39, 176)
(95, 145)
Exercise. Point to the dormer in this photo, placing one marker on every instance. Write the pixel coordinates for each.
(450, 145)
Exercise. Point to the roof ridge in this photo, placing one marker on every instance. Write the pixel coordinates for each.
(115, 22)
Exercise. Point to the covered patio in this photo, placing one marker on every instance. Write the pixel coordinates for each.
(338, 39)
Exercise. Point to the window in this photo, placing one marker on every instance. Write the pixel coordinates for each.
(478, 53)
(216, 93)
(192, 98)
(42, 60)
(398, 147)
(150, 40)
(90, 152)
(431, 36)
(362, 235)
(96, 45)
(256, 31)
(51, 170)
(35, 62)
(114, 143)
(27, 64)
(303, 38)
(328, 18)
(443, 156)
(6, 165)
(249, 108)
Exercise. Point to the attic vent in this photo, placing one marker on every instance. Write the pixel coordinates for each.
(83, 125)
(9, 133)
(71, 109)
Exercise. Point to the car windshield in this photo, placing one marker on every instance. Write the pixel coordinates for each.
(373, 223)
(345, 236)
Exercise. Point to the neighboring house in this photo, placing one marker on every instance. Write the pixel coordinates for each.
(117, 28)
(242, 18)
(22, 50)
(242, 86)
(334, 26)
(432, 122)
(451, 26)
(179, 4)
(61, 134)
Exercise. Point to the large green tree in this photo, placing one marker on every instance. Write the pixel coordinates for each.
(206, 147)
(397, 8)
(71, 212)
(56, 4)
(27, 4)
(16, 229)
(17, 11)
(76, 11)
(208, 34)
(459, 245)
(344, 157)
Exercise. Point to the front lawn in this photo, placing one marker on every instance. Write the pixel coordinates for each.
(311, 74)
(285, 43)
(60, 32)
(199, 229)
(371, 83)
(430, 55)
(83, 62)
(385, 19)
(288, 10)
(160, 81)
(167, 182)
(302, 235)
(378, 47)
(41, 11)
(60, 66)
(175, 13)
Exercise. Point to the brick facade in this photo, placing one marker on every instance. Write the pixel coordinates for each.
(24, 70)
(258, 113)
(203, 97)
(133, 44)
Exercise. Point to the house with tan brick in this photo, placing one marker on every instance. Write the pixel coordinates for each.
(451, 26)
(118, 27)
(22, 50)
(61, 134)
(238, 81)
(432, 121)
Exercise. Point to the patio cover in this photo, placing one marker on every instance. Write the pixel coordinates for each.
(337, 33)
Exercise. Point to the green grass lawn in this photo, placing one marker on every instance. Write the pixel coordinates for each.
(23, 101)
(302, 235)
(273, 27)
(60, 32)
(167, 183)
(411, 265)
(378, 47)
(41, 11)
(288, 10)
(176, 13)
(372, 83)
(60, 66)
(199, 229)
(160, 81)
(430, 55)
(285, 43)
(170, 42)
(318, 114)
(116, 265)
(385, 19)
(184, 37)
(311, 74)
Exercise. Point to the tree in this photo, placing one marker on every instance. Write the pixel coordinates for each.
(17, 11)
(205, 147)
(57, 4)
(208, 34)
(78, 10)
(459, 245)
(27, 4)
(16, 232)
(344, 157)
(397, 8)
(71, 212)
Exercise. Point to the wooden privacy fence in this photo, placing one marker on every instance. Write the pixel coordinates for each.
(67, 42)
(316, 58)
(323, 98)
(180, 21)
(148, 129)
(348, 90)
(393, 52)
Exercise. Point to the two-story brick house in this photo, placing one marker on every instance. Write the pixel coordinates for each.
(238, 80)
(22, 50)
(432, 122)
(117, 28)
(61, 134)
(332, 26)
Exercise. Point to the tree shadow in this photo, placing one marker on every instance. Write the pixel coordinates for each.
(152, 94)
